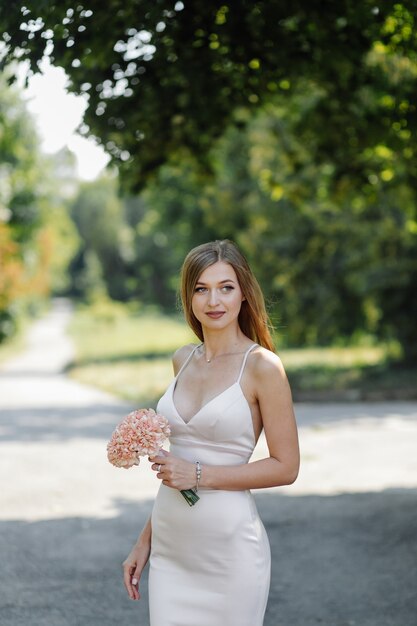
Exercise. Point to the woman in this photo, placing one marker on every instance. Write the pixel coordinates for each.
(210, 564)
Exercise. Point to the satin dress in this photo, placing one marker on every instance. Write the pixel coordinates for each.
(209, 563)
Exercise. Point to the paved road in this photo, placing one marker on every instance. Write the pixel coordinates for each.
(343, 538)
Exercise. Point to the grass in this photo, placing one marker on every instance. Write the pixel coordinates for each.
(355, 373)
(129, 353)
(387, 380)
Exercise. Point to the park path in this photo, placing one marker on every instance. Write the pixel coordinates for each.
(54, 430)
(343, 536)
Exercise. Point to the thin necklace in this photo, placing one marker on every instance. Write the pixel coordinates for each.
(219, 355)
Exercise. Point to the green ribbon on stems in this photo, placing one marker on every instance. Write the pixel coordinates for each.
(190, 496)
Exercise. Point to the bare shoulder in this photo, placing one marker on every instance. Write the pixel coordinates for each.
(181, 355)
(267, 366)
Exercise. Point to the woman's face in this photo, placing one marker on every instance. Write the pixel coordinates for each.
(217, 296)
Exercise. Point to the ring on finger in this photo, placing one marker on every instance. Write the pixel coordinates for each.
(159, 468)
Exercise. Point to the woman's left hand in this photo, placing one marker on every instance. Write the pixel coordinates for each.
(174, 472)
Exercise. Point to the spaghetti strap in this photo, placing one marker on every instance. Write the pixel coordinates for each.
(187, 360)
(244, 361)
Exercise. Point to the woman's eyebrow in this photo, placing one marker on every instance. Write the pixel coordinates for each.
(221, 282)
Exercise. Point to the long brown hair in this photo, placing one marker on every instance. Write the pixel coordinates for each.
(253, 318)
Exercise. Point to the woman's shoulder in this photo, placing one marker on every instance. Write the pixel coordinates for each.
(181, 355)
(265, 364)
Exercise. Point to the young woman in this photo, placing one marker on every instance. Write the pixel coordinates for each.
(210, 563)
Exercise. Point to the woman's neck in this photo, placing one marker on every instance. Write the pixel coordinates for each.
(223, 342)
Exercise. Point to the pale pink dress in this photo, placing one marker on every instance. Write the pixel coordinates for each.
(210, 563)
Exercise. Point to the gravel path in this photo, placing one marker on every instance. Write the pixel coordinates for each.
(343, 537)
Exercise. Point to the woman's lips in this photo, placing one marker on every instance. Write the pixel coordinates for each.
(215, 315)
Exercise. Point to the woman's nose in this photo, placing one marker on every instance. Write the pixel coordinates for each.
(213, 297)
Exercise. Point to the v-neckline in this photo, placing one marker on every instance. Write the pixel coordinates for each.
(174, 383)
(237, 382)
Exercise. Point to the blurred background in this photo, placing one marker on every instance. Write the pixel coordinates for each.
(132, 132)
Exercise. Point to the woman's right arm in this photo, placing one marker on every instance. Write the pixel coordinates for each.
(135, 562)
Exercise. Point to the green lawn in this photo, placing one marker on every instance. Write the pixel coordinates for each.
(129, 354)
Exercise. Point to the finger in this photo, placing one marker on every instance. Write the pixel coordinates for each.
(135, 588)
(135, 584)
(159, 457)
(158, 467)
(156, 459)
(127, 579)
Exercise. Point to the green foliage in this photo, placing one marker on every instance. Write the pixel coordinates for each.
(289, 127)
(335, 256)
(19, 212)
(19, 166)
(64, 243)
(37, 239)
(98, 215)
(173, 222)
(133, 247)
(164, 78)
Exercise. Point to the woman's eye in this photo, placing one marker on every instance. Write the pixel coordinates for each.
(223, 289)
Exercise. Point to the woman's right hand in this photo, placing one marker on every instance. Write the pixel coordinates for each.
(133, 567)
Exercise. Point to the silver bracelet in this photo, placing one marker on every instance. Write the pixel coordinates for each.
(198, 474)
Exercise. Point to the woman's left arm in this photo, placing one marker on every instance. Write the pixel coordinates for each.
(273, 395)
(275, 404)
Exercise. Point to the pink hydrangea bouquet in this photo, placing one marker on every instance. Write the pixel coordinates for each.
(141, 433)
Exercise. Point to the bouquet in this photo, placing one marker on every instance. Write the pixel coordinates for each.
(141, 433)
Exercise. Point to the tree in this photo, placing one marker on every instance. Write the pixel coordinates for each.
(166, 78)
(335, 254)
(36, 236)
(172, 220)
(290, 127)
(98, 214)
(59, 234)
(20, 215)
